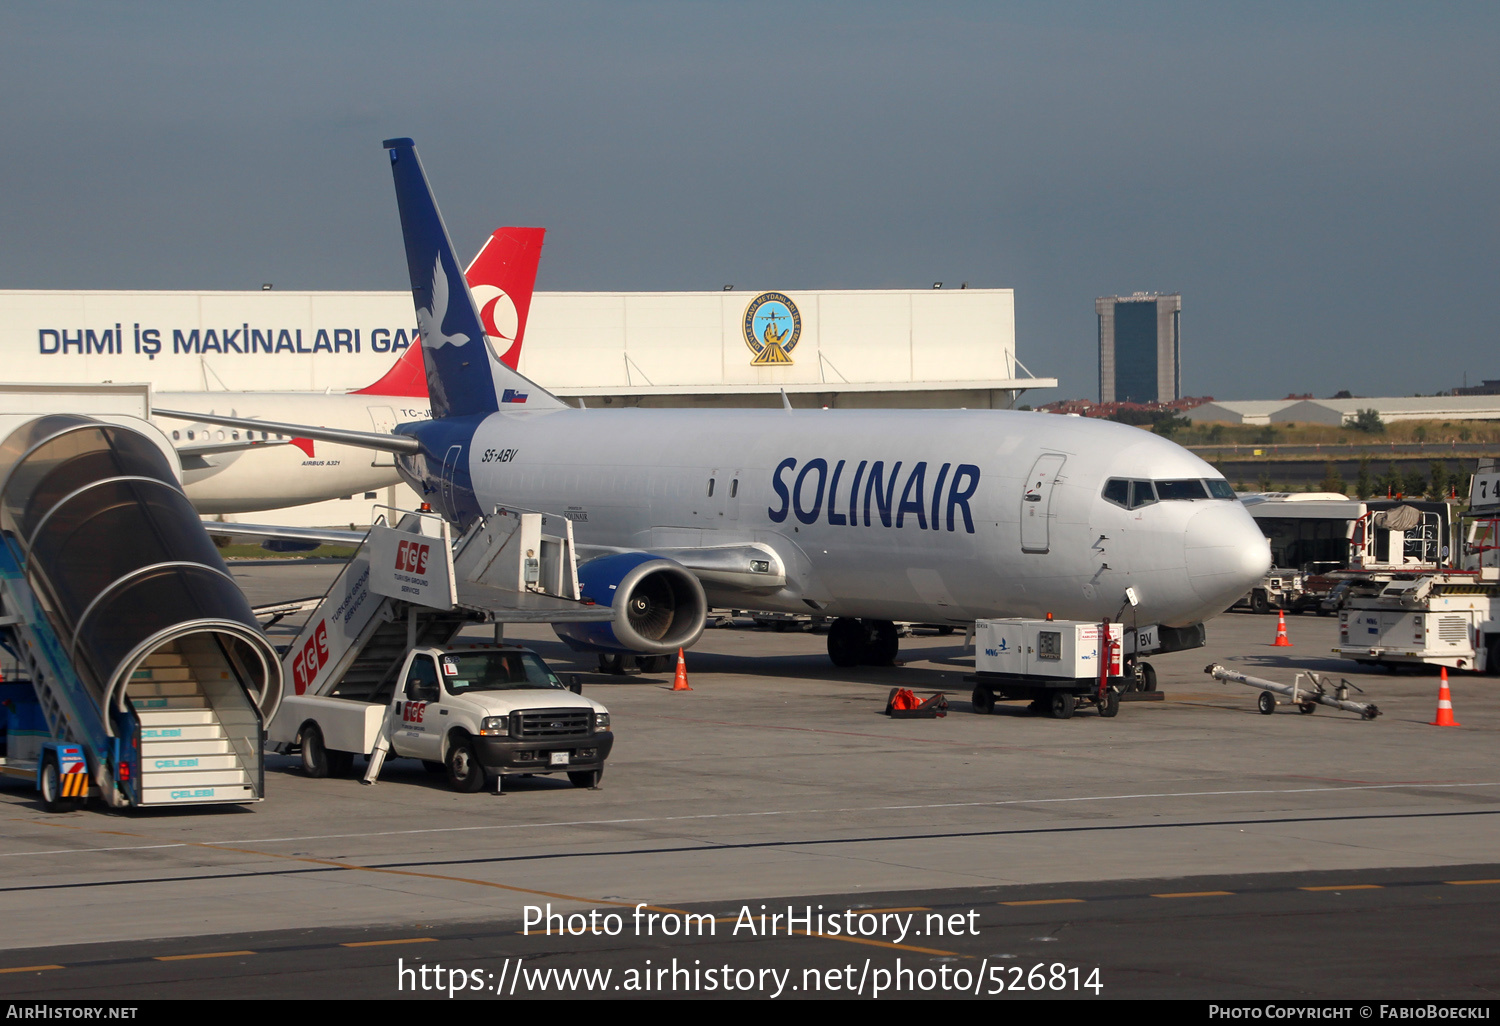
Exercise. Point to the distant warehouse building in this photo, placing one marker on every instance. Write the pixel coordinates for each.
(1339, 412)
(1140, 351)
(1435, 407)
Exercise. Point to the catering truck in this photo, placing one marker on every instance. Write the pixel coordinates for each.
(1450, 618)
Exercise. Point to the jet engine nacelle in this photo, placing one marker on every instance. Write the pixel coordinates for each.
(658, 604)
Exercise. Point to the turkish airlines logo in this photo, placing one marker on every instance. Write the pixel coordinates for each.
(411, 557)
(312, 658)
(500, 319)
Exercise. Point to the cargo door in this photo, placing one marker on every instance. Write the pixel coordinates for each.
(1036, 503)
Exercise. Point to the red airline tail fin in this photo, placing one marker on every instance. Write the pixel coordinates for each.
(405, 378)
(501, 278)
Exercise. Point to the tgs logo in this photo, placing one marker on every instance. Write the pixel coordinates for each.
(411, 557)
(311, 659)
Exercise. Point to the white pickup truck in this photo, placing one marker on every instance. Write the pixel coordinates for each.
(475, 712)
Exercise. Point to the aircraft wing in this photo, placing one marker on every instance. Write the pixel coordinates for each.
(340, 436)
(751, 568)
(260, 532)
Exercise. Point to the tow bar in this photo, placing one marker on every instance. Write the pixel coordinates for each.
(1306, 698)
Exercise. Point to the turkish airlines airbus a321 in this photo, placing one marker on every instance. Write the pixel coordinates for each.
(869, 516)
(243, 470)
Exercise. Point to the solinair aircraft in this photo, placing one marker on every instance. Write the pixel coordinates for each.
(871, 517)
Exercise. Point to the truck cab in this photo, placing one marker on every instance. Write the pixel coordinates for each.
(476, 712)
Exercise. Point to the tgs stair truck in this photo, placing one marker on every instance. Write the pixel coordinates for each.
(377, 671)
(136, 672)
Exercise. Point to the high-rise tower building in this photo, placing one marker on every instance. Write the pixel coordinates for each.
(1140, 350)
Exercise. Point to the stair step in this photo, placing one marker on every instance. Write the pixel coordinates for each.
(197, 795)
(172, 748)
(208, 731)
(162, 673)
(168, 702)
(153, 765)
(175, 717)
(149, 688)
(198, 778)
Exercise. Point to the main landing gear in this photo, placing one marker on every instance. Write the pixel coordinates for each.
(854, 642)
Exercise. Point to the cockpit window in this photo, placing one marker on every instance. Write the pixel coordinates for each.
(1191, 488)
(1135, 494)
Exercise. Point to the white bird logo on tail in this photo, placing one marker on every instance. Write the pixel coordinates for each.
(430, 321)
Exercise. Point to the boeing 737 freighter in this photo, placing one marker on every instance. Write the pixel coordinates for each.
(869, 516)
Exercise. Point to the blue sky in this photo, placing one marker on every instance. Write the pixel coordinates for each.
(1318, 180)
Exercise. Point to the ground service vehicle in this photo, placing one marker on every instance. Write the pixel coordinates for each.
(1450, 618)
(1056, 664)
(477, 712)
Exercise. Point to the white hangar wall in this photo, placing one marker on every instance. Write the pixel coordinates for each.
(643, 344)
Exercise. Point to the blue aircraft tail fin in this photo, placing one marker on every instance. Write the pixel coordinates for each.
(463, 376)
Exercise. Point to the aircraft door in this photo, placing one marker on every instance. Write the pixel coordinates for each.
(1036, 503)
(384, 419)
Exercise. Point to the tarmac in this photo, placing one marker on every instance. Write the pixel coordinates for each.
(778, 777)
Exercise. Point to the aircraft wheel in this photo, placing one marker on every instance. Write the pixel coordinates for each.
(983, 700)
(883, 643)
(944, 630)
(1148, 677)
(611, 662)
(1111, 705)
(587, 778)
(464, 770)
(846, 642)
(1266, 703)
(1062, 706)
(314, 755)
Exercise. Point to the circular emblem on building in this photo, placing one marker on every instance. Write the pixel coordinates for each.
(772, 327)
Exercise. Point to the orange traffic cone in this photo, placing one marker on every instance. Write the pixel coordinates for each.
(680, 682)
(1282, 641)
(1445, 706)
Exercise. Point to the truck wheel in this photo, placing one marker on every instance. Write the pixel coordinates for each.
(983, 700)
(52, 799)
(1111, 704)
(314, 755)
(464, 770)
(846, 642)
(1266, 703)
(1259, 603)
(339, 763)
(1062, 706)
(1307, 708)
(587, 778)
(1492, 656)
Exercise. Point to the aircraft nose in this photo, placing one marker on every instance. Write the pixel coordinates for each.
(1226, 553)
